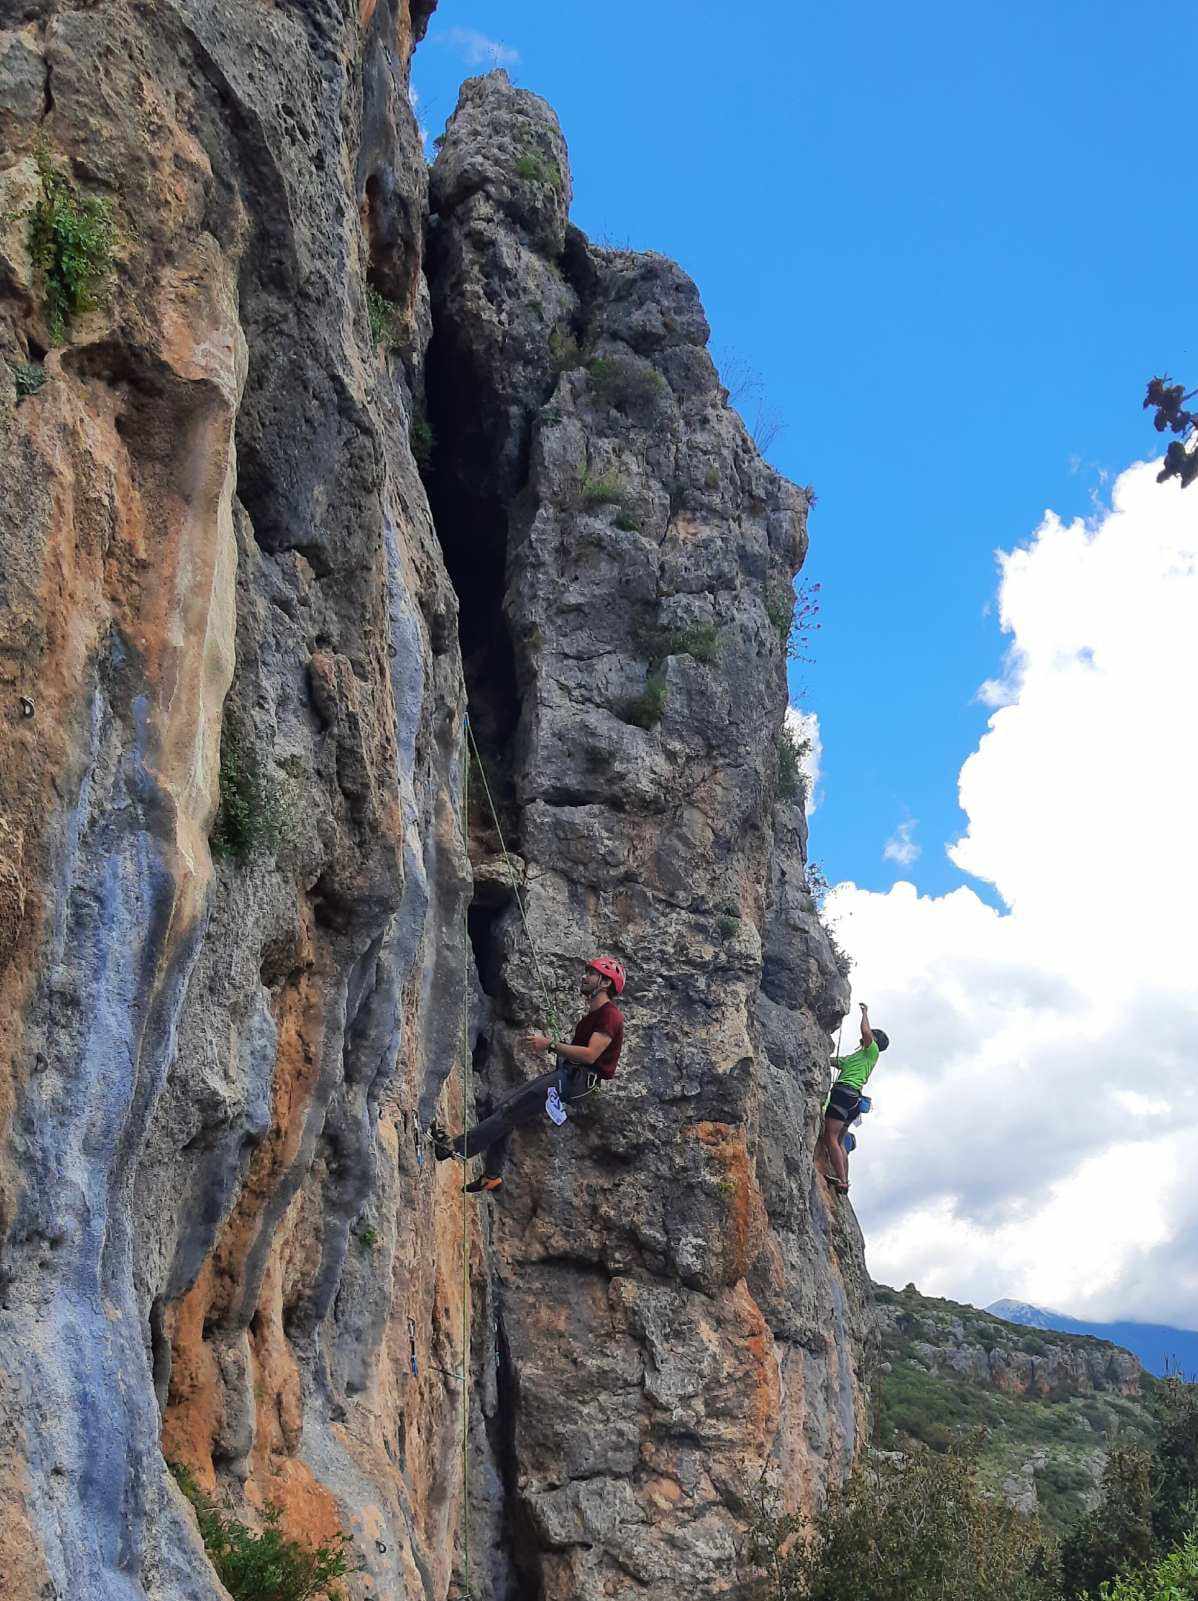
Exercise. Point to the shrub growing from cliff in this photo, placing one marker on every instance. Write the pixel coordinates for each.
(266, 1566)
(28, 376)
(603, 489)
(250, 816)
(792, 781)
(563, 349)
(533, 166)
(1181, 457)
(71, 240)
(793, 616)
(422, 440)
(915, 1530)
(700, 640)
(383, 315)
(647, 710)
(625, 383)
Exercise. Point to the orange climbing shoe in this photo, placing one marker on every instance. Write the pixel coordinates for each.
(482, 1186)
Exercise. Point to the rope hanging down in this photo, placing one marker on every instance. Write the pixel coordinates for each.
(550, 1010)
(467, 1103)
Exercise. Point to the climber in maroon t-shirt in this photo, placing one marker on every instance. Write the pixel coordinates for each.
(592, 1054)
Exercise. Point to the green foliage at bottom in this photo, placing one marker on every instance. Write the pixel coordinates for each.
(1117, 1534)
(1173, 1579)
(919, 1529)
(266, 1566)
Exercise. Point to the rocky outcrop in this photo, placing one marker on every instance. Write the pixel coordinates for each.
(677, 1308)
(221, 581)
(963, 1343)
(1038, 1410)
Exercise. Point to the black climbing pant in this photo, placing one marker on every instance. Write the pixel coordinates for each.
(525, 1104)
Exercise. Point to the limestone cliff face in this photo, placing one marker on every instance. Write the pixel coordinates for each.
(222, 1245)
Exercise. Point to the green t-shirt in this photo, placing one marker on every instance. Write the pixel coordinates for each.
(855, 1069)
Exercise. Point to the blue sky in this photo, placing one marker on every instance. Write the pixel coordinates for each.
(953, 242)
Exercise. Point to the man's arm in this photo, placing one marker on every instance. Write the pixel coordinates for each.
(582, 1055)
(867, 1033)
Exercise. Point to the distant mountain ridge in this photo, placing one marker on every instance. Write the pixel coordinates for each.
(1159, 1346)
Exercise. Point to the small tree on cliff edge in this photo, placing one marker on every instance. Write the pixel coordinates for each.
(914, 1530)
(1181, 458)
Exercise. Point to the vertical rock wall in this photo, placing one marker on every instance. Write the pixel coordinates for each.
(220, 1244)
(216, 546)
(678, 1309)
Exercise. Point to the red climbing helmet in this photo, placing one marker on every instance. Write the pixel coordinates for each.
(610, 968)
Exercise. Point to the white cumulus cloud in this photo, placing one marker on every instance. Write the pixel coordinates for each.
(901, 846)
(1036, 1115)
(476, 49)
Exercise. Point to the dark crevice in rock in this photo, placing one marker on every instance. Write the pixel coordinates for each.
(472, 530)
(523, 1547)
(482, 920)
(160, 1353)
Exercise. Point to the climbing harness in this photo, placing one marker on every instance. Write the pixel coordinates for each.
(594, 1082)
(849, 1139)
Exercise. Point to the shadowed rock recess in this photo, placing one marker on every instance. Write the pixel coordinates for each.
(221, 575)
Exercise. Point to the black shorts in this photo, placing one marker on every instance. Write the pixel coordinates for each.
(843, 1103)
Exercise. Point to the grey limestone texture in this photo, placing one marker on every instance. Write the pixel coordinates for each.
(223, 1244)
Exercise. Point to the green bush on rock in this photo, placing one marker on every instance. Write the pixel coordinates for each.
(647, 710)
(71, 240)
(250, 816)
(267, 1566)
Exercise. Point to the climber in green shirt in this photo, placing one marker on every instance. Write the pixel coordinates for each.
(852, 1072)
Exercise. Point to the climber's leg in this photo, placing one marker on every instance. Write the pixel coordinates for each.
(523, 1105)
(496, 1157)
(836, 1167)
(842, 1109)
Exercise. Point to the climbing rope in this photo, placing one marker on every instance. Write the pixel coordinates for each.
(550, 1010)
(467, 1103)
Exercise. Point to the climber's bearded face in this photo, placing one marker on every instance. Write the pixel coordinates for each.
(591, 981)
